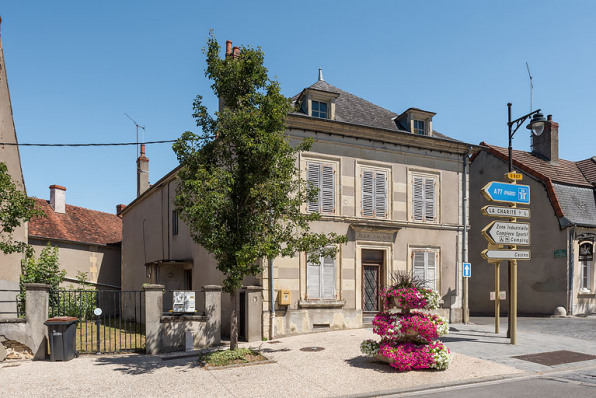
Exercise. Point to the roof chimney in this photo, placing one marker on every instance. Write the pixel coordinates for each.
(228, 48)
(142, 172)
(236, 52)
(119, 208)
(321, 75)
(546, 145)
(58, 198)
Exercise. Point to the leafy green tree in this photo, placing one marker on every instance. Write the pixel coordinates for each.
(239, 189)
(15, 209)
(45, 269)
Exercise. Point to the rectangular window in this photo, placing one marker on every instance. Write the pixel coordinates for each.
(320, 282)
(319, 109)
(322, 177)
(419, 127)
(174, 222)
(424, 198)
(585, 275)
(374, 194)
(424, 266)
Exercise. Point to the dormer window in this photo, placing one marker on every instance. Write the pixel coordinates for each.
(319, 109)
(419, 127)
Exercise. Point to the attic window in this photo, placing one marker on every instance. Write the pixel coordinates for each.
(319, 109)
(419, 127)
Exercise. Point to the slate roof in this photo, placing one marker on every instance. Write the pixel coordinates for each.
(355, 110)
(77, 224)
(577, 203)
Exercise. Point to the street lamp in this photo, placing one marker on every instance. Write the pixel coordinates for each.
(536, 125)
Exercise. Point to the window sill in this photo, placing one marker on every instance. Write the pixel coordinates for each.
(321, 303)
(586, 295)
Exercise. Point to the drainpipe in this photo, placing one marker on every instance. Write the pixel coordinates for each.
(271, 290)
(466, 314)
(571, 273)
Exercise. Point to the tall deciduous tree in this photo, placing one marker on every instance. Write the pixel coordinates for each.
(15, 209)
(239, 189)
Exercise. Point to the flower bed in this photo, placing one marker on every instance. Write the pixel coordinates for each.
(408, 339)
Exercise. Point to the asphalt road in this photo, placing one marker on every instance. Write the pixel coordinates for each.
(583, 328)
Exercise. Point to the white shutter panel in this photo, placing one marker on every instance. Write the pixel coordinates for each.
(313, 174)
(429, 199)
(431, 269)
(328, 278)
(418, 264)
(313, 283)
(327, 189)
(417, 198)
(380, 195)
(367, 193)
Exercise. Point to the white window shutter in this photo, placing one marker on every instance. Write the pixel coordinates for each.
(313, 283)
(327, 192)
(367, 193)
(418, 264)
(380, 195)
(429, 199)
(328, 290)
(417, 198)
(431, 269)
(313, 176)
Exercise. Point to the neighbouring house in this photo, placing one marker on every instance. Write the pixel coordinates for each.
(392, 184)
(88, 240)
(562, 226)
(10, 265)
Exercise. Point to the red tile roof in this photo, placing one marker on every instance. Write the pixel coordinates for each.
(77, 224)
(566, 172)
(588, 169)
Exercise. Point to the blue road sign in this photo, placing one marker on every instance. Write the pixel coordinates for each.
(510, 193)
(467, 270)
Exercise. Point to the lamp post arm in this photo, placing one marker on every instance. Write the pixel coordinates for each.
(517, 123)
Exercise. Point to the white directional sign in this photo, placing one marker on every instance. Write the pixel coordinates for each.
(507, 233)
(497, 255)
(500, 211)
(467, 270)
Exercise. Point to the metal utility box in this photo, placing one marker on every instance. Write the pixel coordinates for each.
(251, 313)
(284, 297)
(62, 333)
(184, 302)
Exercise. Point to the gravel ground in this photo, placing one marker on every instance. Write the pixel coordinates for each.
(338, 370)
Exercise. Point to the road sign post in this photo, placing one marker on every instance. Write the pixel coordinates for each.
(497, 301)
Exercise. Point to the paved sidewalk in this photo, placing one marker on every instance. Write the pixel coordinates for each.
(337, 370)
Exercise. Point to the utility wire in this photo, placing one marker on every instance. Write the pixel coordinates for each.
(106, 144)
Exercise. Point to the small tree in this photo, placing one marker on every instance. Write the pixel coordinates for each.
(15, 209)
(45, 269)
(239, 189)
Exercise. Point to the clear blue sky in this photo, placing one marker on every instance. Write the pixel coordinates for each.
(75, 67)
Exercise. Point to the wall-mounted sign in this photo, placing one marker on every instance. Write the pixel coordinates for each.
(560, 253)
(507, 233)
(586, 251)
(501, 211)
(496, 191)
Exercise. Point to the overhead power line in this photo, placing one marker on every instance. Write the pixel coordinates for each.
(105, 144)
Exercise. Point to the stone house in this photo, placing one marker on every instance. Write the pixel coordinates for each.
(392, 184)
(562, 226)
(88, 240)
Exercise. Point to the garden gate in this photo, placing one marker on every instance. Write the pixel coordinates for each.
(109, 321)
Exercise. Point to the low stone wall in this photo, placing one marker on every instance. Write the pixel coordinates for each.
(31, 330)
(166, 333)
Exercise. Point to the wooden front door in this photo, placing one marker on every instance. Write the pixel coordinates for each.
(372, 280)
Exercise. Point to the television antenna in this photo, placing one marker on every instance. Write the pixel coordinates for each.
(531, 86)
(138, 126)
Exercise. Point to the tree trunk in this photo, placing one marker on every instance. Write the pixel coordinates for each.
(233, 322)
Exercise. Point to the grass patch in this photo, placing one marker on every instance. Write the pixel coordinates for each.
(232, 357)
(115, 335)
